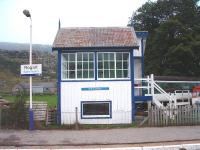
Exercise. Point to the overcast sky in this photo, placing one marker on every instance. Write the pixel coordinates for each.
(14, 26)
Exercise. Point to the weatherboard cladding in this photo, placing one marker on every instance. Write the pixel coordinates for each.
(91, 37)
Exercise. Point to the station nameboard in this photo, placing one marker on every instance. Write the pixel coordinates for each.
(31, 70)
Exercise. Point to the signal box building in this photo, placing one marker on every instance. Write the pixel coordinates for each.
(96, 71)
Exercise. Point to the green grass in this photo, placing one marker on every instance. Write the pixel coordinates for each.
(50, 99)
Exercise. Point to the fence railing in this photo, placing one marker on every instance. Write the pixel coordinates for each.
(39, 109)
(184, 115)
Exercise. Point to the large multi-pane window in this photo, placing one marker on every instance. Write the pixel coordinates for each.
(78, 65)
(113, 65)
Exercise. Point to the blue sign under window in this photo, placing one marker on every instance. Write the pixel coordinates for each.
(94, 88)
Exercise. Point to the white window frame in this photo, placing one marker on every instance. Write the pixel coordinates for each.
(76, 61)
(115, 78)
(96, 116)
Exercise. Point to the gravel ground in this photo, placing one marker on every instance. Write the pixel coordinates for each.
(98, 137)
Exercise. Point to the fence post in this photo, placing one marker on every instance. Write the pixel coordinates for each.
(76, 113)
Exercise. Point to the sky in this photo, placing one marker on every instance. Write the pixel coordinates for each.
(15, 27)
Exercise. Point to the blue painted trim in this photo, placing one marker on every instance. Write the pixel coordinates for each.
(94, 88)
(87, 49)
(142, 62)
(110, 110)
(143, 98)
(95, 80)
(59, 88)
(142, 34)
(142, 51)
(95, 66)
(31, 119)
(132, 85)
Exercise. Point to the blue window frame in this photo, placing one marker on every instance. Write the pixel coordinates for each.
(96, 109)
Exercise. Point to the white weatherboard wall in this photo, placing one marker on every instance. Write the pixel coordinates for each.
(119, 93)
(137, 75)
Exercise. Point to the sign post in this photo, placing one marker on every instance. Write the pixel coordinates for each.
(29, 71)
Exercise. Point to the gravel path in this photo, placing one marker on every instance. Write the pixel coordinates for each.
(98, 137)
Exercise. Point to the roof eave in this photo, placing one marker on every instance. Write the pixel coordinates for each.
(95, 48)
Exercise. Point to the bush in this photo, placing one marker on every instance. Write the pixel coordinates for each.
(15, 116)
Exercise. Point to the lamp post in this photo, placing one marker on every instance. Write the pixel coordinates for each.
(31, 121)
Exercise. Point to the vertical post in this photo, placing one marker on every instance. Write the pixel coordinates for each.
(148, 91)
(76, 113)
(148, 87)
(31, 115)
(152, 85)
(133, 108)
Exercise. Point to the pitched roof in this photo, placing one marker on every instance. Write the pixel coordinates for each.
(92, 37)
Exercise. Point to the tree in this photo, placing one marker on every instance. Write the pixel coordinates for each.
(173, 45)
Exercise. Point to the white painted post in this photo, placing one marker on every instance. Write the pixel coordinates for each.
(148, 85)
(30, 61)
(76, 113)
(31, 116)
(152, 85)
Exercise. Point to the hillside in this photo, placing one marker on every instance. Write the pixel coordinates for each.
(11, 59)
(23, 46)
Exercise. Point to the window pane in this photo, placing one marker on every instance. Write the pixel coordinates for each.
(71, 57)
(91, 74)
(96, 109)
(105, 56)
(112, 65)
(65, 57)
(71, 65)
(118, 56)
(79, 74)
(91, 57)
(100, 65)
(119, 65)
(64, 75)
(125, 65)
(106, 65)
(65, 65)
(85, 56)
(79, 56)
(106, 73)
(79, 65)
(85, 73)
(126, 56)
(85, 65)
(111, 56)
(112, 73)
(71, 74)
(100, 58)
(91, 65)
(100, 73)
(125, 73)
(119, 73)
